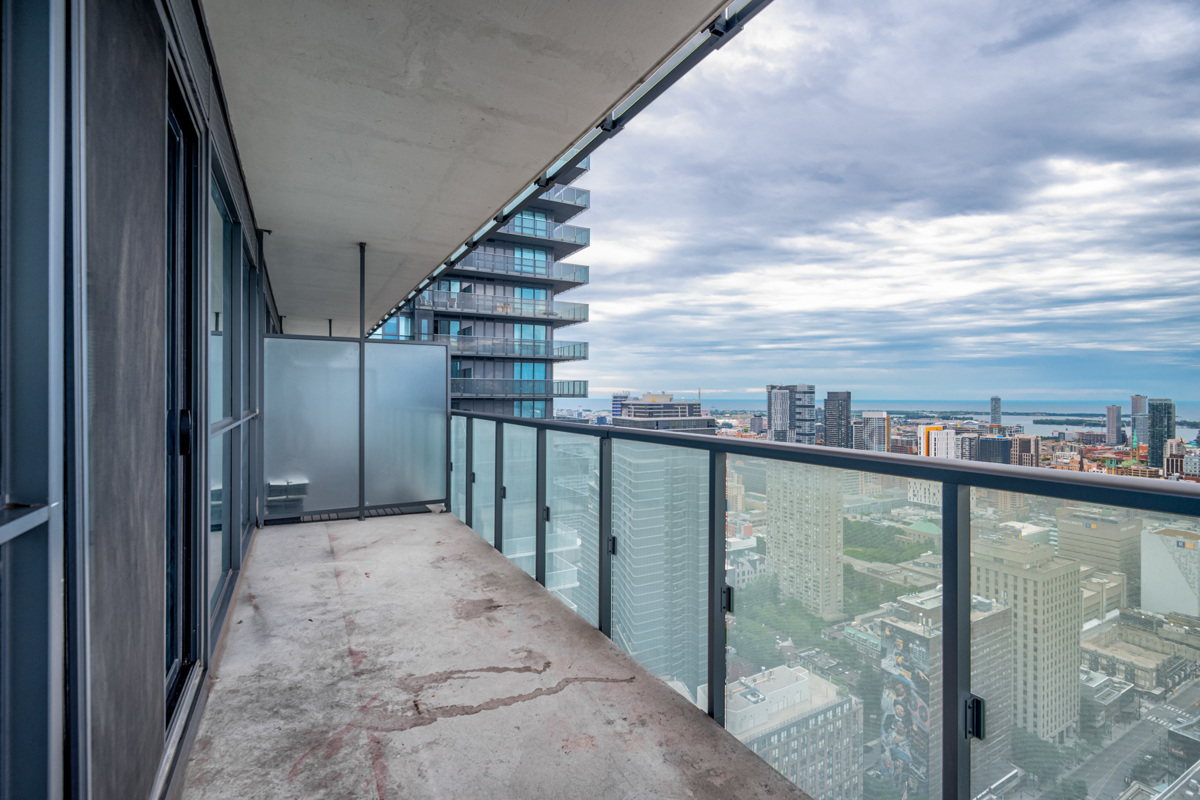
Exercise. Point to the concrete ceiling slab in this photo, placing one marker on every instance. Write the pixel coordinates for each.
(407, 125)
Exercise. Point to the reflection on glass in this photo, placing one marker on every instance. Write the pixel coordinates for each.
(220, 235)
(520, 496)
(219, 516)
(836, 638)
(659, 575)
(483, 491)
(1092, 685)
(458, 467)
(573, 532)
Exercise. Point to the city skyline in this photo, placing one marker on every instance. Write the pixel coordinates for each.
(961, 202)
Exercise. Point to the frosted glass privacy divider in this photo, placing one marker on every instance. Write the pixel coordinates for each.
(310, 425)
(520, 496)
(483, 467)
(573, 532)
(458, 471)
(660, 571)
(407, 410)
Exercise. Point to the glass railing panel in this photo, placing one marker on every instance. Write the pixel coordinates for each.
(573, 531)
(483, 486)
(1085, 645)
(519, 501)
(458, 467)
(659, 573)
(829, 655)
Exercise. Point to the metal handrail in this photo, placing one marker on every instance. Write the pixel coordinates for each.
(517, 387)
(525, 267)
(558, 231)
(1144, 494)
(471, 303)
(569, 194)
(512, 348)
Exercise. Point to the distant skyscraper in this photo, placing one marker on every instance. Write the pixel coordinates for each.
(1162, 429)
(1026, 450)
(1140, 423)
(995, 410)
(804, 547)
(994, 449)
(792, 413)
(1112, 436)
(966, 446)
(837, 420)
(877, 431)
(1043, 591)
(1137, 404)
(858, 434)
(1173, 558)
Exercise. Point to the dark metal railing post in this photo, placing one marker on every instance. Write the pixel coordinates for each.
(498, 499)
(541, 467)
(956, 639)
(605, 486)
(362, 380)
(468, 515)
(716, 586)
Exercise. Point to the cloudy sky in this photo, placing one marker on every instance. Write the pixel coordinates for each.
(937, 200)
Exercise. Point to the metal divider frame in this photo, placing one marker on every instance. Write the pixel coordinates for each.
(956, 639)
(606, 537)
(541, 468)
(469, 476)
(716, 586)
(498, 497)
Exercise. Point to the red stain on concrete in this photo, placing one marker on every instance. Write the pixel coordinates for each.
(356, 657)
(378, 764)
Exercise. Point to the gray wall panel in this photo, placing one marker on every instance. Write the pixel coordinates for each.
(223, 139)
(126, 246)
(190, 39)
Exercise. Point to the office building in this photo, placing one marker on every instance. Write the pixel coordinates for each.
(1161, 430)
(837, 420)
(877, 431)
(1104, 593)
(1042, 589)
(792, 413)
(937, 441)
(994, 449)
(803, 726)
(1171, 562)
(966, 446)
(1107, 538)
(996, 416)
(660, 499)
(804, 539)
(660, 412)
(858, 434)
(1113, 429)
(1137, 404)
(1140, 425)
(1026, 450)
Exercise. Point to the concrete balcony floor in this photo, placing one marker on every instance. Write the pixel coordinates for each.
(403, 657)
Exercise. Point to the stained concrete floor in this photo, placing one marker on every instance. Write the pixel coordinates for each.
(402, 657)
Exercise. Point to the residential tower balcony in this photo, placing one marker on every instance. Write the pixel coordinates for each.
(554, 312)
(561, 238)
(516, 387)
(563, 202)
(483, 346)
(561, 276)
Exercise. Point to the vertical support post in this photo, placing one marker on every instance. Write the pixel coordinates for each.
(716, 586)
(956, 639)
(606, 557)
(468, 515)
(541, 466)
(498, 496)
(362, 380)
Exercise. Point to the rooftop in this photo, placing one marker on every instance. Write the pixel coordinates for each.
(406, 656)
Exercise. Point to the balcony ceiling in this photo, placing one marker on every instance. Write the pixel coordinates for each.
(407, 125)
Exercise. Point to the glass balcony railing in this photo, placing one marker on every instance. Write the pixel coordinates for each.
(875, 625)
(489, 304)
(512, 348)
(543, 229)
(516, 387)
(569, 194)
(524, 267)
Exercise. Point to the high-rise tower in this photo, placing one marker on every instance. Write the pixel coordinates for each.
(1137, 404)
(804, 548)
(1162, 429)
(837, 420)
(1112, 434)
(792, 413)
(996, 415)
(498, 312)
